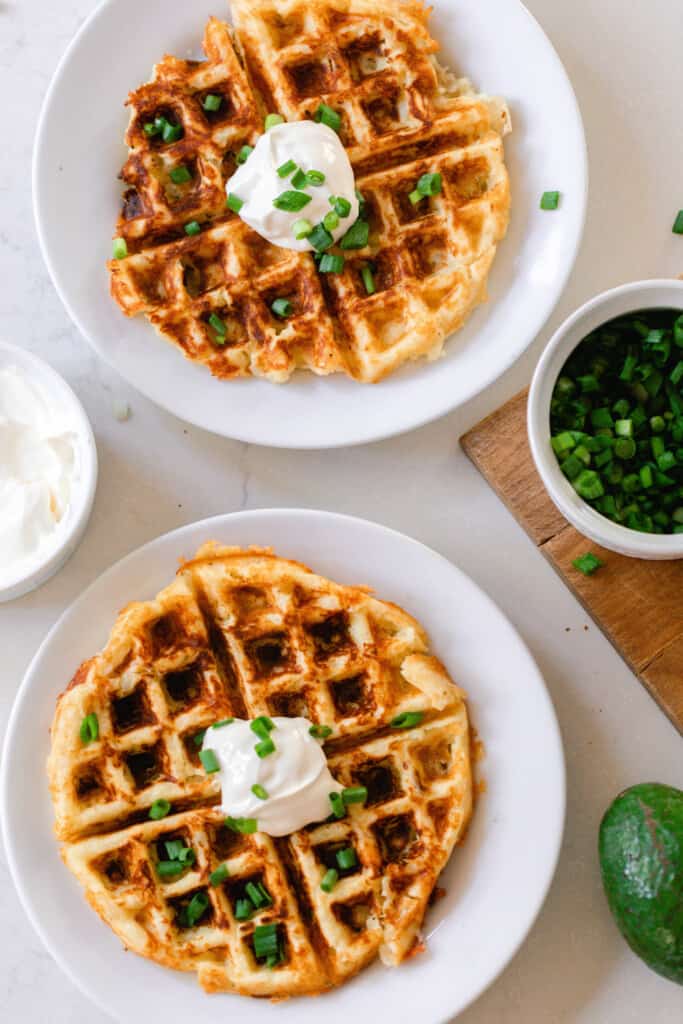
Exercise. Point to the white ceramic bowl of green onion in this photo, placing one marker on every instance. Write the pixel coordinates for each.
(639, 297)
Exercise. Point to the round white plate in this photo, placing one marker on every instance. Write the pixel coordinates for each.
(79, 152)
(495, 883)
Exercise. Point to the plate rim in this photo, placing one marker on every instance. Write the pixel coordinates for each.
(310, 514)
(370, 434)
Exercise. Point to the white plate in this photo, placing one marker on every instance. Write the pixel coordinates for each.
(495, 883)
(79, 152)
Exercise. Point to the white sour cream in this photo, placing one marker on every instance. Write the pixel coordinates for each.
(295, 776)
(37, 468)
(312, 147)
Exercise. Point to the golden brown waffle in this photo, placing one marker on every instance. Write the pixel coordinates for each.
(244, 633)
(402, 116)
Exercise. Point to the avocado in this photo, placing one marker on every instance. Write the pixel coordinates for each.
(641, 859)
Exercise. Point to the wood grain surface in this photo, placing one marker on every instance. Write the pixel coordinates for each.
(638, 604)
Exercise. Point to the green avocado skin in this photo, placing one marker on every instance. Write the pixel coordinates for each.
(641, 859)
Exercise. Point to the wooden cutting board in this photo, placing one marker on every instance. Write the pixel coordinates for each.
(638, 604)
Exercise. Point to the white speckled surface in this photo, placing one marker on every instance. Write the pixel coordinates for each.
(156, 474)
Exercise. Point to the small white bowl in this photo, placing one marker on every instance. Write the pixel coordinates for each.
(72, 527)
(627, 298)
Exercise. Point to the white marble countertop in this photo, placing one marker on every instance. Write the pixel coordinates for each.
(624, 60)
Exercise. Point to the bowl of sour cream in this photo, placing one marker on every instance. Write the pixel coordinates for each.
(48, 471)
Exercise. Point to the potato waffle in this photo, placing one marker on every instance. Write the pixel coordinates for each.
(243, 633)
(402, 116)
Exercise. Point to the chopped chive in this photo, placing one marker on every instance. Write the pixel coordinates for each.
(328, 116)
(219, 875)
(258, 894)
(90, 729)
(223, 721)
(266, 942)
(169, 868)
(179, 175)
(291, 201)
(299, 179)
(243, 909)
(244, 154)
(281, 307)
(342, 207)
(272, 120)
(243, 825)
(119, 249)
(346, 858)
(329, 880)
(429, 184)
(262, 726)
(171, 132)
(550, 200)
(315, 177)
(588, 563)
(337, 803)
(301, 228)
(320, 732)
(355, 794)
(264, 748)
(218, 325)
(209, 760)
(678, 224)
(331, 264)
(407, 719)
(198, 738)
(320, 238)
(415, 197)
(212, 102)
(195, 909)
(357, 236)
(368, 279)
(192, 228)
(285, 169)
(259, 791)
(159, 810)
(234, 202)
(331, 221)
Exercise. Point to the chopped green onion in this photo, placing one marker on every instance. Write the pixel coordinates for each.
(179, 175)
(258, 894)
(285, 169)
(625, 448)
(259, 791)
(357, 236)
(355, 794)
(331, 221)
(243, 910)
(407, 719)
(338, 806)
(198, 738)
(244, 154)
(331, 264)
(415, 197)
(265, 941)
(329, 880)
(219, 875)
(429, 184)
(272, 120)
(209, 760)
(223, 721)
(320, 238)
(320, 732)
(264, 748)
(90, 728)
(368, 279)
(218, 325)
(550, 200)
(169, 868)
(588, 563)
(291, 201)
(195, 909)
(299, 179)
(171, 132)
(301, 228)
(346, 858)
(678, 224)
(212, 102)
(234, 202)
(315, 177)
(159, 810)
(342, 207)
(262, 726)
(119, 249)
(328, 116)
(281, 307)
(588, 485)
(243, 825)
(192, 228)
(151, 128)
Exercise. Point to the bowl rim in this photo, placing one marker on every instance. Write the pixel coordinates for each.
(83, 495)
(634, 295)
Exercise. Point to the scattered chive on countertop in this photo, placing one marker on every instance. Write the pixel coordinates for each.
(616, 419)
(588, 563)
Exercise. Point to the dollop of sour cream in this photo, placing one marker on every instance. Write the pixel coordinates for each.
(311, 147)
(37, 467)
(295, 777)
